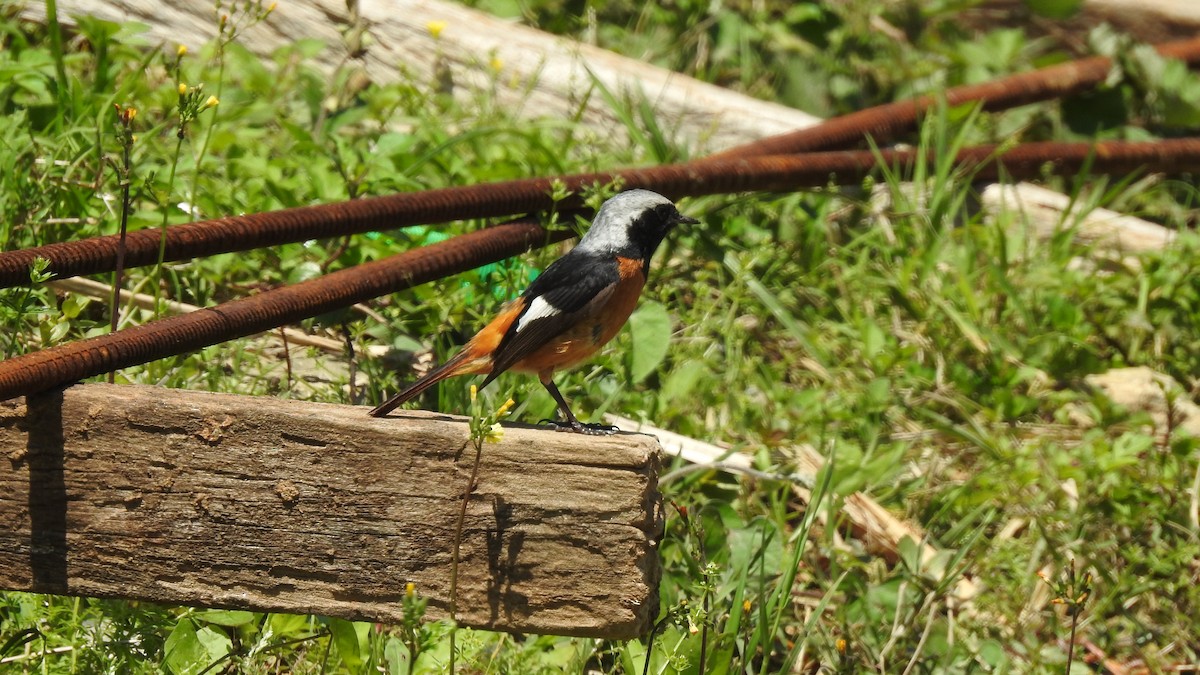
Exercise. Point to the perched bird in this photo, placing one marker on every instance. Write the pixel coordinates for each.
(569, 312)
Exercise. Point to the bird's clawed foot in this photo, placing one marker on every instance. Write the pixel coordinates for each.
(577, 427)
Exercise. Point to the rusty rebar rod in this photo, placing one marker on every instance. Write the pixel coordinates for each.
(239, 233)
(73, 361)
(884, 122)
(67, 363)
(689, 179)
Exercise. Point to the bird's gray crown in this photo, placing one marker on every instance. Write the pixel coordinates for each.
(610, 228)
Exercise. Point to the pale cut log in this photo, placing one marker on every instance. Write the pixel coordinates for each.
(1044, 213)
(220, 500)
(473, 54)
(1047, 212)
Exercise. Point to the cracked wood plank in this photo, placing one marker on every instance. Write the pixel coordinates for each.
(219, 500)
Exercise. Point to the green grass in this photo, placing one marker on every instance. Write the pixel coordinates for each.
(936, 362)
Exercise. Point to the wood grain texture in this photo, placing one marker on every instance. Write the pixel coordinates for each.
(220, 500)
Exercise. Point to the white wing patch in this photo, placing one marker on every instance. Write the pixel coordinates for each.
(540, 308)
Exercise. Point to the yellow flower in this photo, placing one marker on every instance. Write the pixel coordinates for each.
(182, 88)
(212, 102)
(495, 434)
(410, 589)
(496, 64)
(474, 393)
(435, 28)
(746, 606)
(271, 7)
(181, 50)
(503, 410)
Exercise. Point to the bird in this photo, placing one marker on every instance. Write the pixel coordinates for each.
(572, 309)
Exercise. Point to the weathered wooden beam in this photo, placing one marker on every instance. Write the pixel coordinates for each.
(220, 500)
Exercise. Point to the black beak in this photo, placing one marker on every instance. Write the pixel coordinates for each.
(684, 220)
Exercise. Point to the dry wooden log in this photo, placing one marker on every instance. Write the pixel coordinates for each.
(221, 500)
(1044, 213)
(1047, 212)
(539, 75)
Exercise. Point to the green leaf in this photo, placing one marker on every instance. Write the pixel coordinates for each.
(303, 272)
(73, 304)
(351, 640)
(225, 617)
(910, 553)
(395, 655)
(288, 624)
(217, 645)
(992, 653)
(651, 329)
(682, 380)
(873, 339)
(184, 651)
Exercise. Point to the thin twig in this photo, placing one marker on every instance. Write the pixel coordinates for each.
(125, 116)
(458, 535)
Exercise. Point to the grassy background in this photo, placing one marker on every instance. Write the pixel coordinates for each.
(937, 363)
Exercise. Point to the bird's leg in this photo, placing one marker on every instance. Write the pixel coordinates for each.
(570, 423)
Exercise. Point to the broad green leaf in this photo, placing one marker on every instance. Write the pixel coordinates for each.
(216, 644)
(910, 553)
(288, 624)
(395, 655)
(651, 329)
(184, 653)
(682, 380)
(351, 640)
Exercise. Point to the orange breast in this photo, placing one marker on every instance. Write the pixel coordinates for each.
(594, 330)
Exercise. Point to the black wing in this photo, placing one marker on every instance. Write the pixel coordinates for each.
(565, 290)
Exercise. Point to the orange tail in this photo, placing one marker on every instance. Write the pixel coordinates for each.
(459, 364)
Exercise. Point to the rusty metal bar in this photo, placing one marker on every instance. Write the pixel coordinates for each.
(884, 122)
(238, 233)
(73, 361)
(64, 364)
